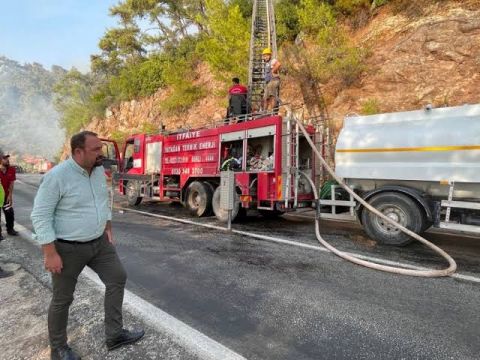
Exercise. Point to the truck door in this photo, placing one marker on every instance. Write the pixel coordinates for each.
(133, 155)
(112, 157)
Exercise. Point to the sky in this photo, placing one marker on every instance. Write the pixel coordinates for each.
(53, 32)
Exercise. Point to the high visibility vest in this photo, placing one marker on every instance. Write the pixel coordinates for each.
(2, 195)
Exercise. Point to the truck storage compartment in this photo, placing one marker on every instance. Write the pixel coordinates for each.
(304, 155)
(231, 155)
(260, 149)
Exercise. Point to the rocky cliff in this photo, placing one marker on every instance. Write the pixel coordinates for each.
(433, 58)
(137, 115)
(428, 56)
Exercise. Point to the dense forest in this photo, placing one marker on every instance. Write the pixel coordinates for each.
(159, 43)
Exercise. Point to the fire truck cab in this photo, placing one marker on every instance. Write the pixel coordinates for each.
(265, 154)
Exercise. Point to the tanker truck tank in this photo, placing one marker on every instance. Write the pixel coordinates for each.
(422, 165)
(423, 149)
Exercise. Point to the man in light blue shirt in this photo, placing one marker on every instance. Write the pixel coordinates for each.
(72, 221)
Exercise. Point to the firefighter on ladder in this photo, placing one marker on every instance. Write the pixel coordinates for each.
(272, 81)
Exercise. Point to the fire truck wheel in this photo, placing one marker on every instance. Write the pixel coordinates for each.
(210, 186)
(199, 199)
(221, 214)
(398, 207)
(133, 192)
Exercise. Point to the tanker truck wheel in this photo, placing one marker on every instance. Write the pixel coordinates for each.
(398, 207)
(133, 193)
(199, 199)
(221, 214)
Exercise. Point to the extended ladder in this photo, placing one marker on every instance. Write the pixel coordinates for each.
(263, 35)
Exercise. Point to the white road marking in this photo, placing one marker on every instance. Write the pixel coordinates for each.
(294, 243)
(192, 340)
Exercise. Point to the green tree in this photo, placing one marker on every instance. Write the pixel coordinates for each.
(158, 43)
(246, 7)
(141, 79)
(120, 47)
(330, 54)
(315, 17)
(370, 107)
(287, 21)
(179, 77)
(226, 42)
(76, 101)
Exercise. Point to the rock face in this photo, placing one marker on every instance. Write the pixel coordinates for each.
(433, 58)
(137, 115)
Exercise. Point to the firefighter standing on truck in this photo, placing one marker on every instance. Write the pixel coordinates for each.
(272, 80)
(237, 101)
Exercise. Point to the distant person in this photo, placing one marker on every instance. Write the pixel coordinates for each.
(272, 80)
(237, 100)
(7, 177)
(3, 273)
(72, 221)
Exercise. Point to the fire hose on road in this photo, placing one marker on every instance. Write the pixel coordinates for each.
(396, 270)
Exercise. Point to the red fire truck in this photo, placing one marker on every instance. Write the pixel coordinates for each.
(268, 156)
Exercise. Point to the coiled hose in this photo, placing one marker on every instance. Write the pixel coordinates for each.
(396, 270)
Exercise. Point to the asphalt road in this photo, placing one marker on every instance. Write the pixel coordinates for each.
(270, 301)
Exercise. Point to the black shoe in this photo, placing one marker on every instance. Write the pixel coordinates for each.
(64, 352)
(12, 232)
(4, 274)
(125, 337)
(1, 237)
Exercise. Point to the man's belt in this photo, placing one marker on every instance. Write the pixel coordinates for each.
(78, 242)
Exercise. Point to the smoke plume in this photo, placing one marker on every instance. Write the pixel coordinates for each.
(28, 119)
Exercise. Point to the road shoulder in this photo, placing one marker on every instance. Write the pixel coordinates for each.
(23, 314)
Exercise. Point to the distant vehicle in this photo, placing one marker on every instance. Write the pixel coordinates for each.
(43, 165)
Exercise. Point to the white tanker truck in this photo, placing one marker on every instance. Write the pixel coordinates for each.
(420, 168)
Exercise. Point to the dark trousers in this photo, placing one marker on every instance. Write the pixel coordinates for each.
(102, 258)
(9, 218)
